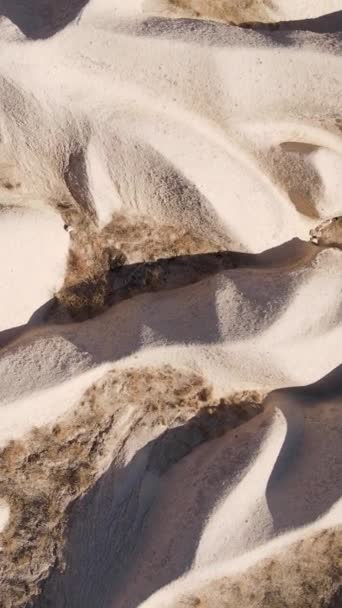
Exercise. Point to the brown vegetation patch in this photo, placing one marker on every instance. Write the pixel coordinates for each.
(328, 233)
(42, 475)
(94, 254)
(231, 11)
(307, 574)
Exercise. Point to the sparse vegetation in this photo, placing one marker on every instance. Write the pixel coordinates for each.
(231, 11)
(328, 234)
(95, 253)
(42, 475)
(307, 574)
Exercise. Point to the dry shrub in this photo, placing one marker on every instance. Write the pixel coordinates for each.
(328, 233)
(307, 574)
(42, 475)
(229, 11)
(141, 239)
(94, 254)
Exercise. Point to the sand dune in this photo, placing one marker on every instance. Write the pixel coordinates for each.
(108, 153)
(226, 326)
(226, 501)
(170, 362)
(255, 10)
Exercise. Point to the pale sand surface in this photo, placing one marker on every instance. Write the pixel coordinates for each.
(32, 264)
(183, 448)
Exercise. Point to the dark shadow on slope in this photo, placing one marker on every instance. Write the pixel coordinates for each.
(130, 281)
(126, 281)
(187, 317)
(218, 34)
(8, 335)
(311, 455)
(325, 24)
(139, 527)
(185, 269)
(76, 180)
(190, 316)
(107, 525)
(41, 18)
(36, 320)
